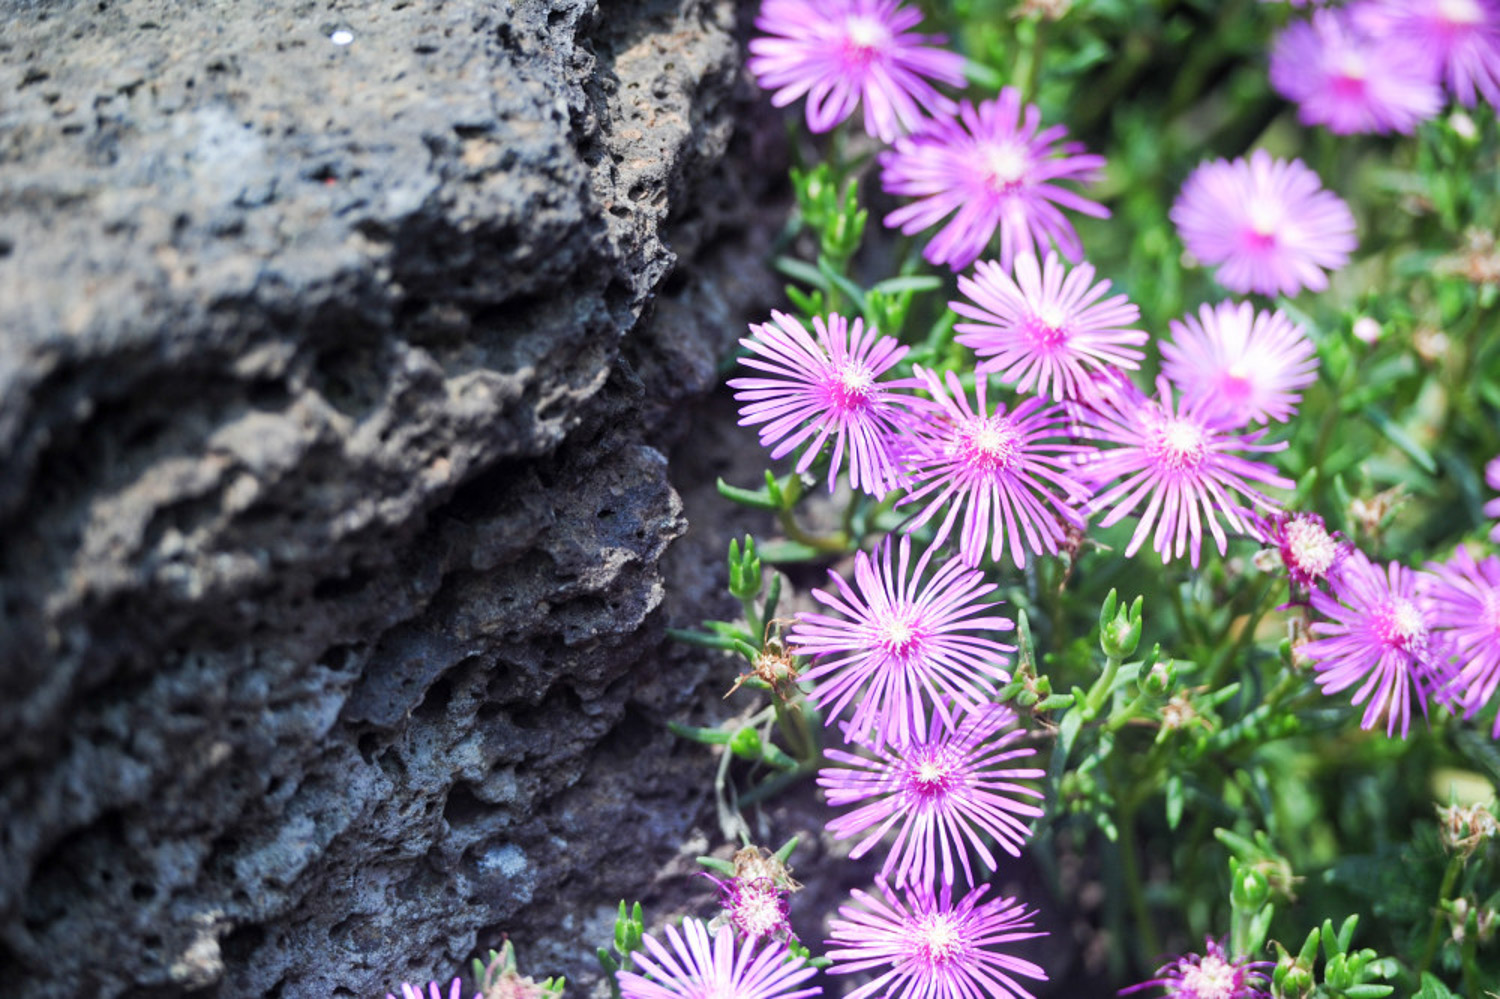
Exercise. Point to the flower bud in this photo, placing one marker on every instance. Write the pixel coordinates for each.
(1250, 891)
(1158, 682)
(1367, 330)
(746, 744)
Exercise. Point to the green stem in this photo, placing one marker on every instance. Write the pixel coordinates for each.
(1134, 890)
(776, 784)
(1247, 633)
(1102, 688)
(1471, 965)
(833, 544)
(1434, 935)
(791, 719)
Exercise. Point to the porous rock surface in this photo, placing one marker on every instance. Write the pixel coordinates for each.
(340, 346)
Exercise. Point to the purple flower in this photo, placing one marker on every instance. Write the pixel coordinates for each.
(1307, 549)
(904, 647)
(1249, 365)
(1185, 459)
(942, 794)
(697, 968)
(993, 166)
(1267, 224)
(1492, 508)
(1379, 635)
(1006, 471)
(1460, 37)
(824, 388)
(755, 907)
(1353, 80)
(409, 991)
(930, 948)
(1211, 975)
(841, 52)
(1464, 601)
(1047, 328)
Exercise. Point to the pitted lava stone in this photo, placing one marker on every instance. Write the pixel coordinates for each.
(340, 347)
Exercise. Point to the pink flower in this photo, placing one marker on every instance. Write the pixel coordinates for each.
(1267, 224)
(697, 968)
(409, 991)
(1460, 37)
(1353, 80)
(1377, 634)
(1008, 472)
(826, 388)
(1492, 508)
(1307, 549)
(993, 166)
(942, 794)
(1047, 328)
(1249, 365)
(755, 907)
(841, 52)
(1210, 975)
(1464, 597)
(929, 948)
(1185, 458)
(904, 646)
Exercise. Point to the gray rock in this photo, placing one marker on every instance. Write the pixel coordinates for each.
(341, 348)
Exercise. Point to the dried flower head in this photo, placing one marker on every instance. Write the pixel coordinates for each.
(1465, 828)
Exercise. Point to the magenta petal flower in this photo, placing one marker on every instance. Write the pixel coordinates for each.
(992, 167)
(699, 968)
(1464, 601)
(1047, 328)
(1307, 549)
(1008, 472)
(1185, 459)
(929, 948)
(1492, 508)
(941, 794)
(1210, 975)
(841, 52)
(1352, 80)
(409, 991)
(1460, 37)
(904, 646)
(1267, 224)
(1379, 635)
(1248, 364)
(826, 388)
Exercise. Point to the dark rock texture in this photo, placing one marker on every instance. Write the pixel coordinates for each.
(340, 344)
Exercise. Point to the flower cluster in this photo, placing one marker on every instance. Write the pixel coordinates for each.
(1381, 65)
